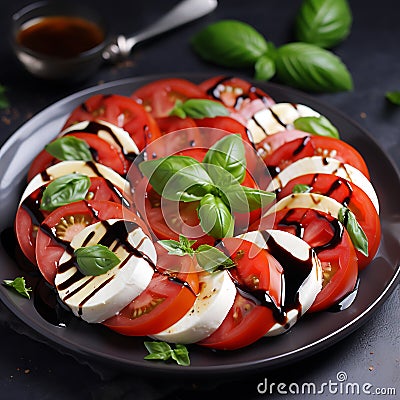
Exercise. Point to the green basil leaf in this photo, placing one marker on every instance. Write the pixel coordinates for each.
(309, 67)
(64, 190)
(324, 23)
(264, 68)
(228, 153)
(4, 103)
(181, 355)
(356, 233)
(19, 285)
(181, 248)
(68, 148)
(215, 217)
(163, 351)
(244, 199)
(199, 108)
(300, 188)
(230, 43)
(393, 97)
(95, 260)
(320, 126)
(177, 177)
(211, 259)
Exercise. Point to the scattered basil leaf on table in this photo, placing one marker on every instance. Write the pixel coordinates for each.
(95, 260)
(163, 351)
(393, 97)
(4, 103)
(300, 188)
(19, 285)
(64, 190)
(198, 108)
(356, 233)
(324, 23)
(264, 68)
(320, 126)
(68, 148)
(230, 43)
(309, 67)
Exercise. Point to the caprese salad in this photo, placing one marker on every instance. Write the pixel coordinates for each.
(147, 215)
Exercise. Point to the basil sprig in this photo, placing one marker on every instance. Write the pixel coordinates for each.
(214, 182)
(309, 67)
(64, 190)
(198, 108)
(68, 148)
(19, 285)
(303, 65)
(320, 126)
(163, 351)
(95, 260)
(230, 43)
(356, 233)
(209, 258)
(324, 23)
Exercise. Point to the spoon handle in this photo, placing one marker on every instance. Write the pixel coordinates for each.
(184, 12)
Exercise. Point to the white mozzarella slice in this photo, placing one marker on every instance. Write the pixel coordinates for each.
(71, 167)
(314, 201)
(96, 298)
(312, 284)
(216, 297)
(277, 118)
(325, 165)
(112, 134)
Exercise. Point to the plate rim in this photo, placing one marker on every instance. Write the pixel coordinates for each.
(271, 362)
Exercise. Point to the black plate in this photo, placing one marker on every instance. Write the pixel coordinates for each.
(312, 334)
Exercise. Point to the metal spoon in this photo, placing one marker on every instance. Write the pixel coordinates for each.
(184, 12)
(84, 65)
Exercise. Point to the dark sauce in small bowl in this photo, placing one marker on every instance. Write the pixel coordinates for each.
(60, 36)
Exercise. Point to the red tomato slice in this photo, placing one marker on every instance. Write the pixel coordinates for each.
(248, 320)
(121, 111)
(166, 300)
(350, 196)
(159, 97)
(235, 93)
(62, 224)
(29, 216)
(332, 245)
(164, 222)
(227, 124)
(272, 142)
(102, 152)
(316, 146)
(173, 124)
